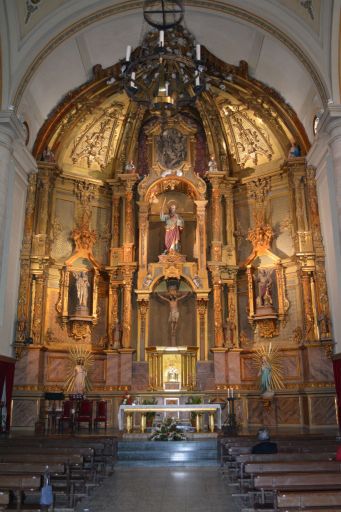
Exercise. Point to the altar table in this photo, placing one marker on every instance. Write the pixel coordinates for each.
(130, 410)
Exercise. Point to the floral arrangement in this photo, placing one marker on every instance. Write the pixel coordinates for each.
(167, 431)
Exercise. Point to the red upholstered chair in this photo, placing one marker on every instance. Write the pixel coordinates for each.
(67, 415)
(101, 413)
(84, 414)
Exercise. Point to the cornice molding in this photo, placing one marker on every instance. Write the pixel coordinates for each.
(209, 5)
(12, 137)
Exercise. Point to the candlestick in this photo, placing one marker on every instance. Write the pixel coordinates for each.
(198, 51)
(128, 53)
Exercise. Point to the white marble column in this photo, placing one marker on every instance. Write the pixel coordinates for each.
(16, 163)
(325, 156)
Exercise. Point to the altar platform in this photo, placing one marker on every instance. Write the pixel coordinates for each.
(190, 453)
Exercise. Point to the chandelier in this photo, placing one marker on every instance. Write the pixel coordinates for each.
(166, 73)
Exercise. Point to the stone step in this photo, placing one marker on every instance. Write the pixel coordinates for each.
(167, 445)
(160, 463)
(159, 455)
(167, 453)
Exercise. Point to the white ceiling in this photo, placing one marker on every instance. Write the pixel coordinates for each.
(55, 50)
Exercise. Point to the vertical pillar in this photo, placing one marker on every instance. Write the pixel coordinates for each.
(38, 308)
(230, 225)
(202, 329)
(301, 214)
(309, 323)
(143, 306)
(218, 310)
(201, 234)
(232, 315)
(143, 239)
(127, 306)
(115, 221)
(216, 179)
(129, 181)
(113, 319)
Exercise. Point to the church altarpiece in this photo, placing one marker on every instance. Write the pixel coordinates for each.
(172, 248)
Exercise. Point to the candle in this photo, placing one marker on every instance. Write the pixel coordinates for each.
(167, 88)
(228, 392)
(198, 51)
(197, 80)
(162, 38)
(128, 53)
(231, 392)
(133, 76)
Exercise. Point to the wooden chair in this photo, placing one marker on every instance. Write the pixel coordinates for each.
(101, 414)
(66, 416)
(84, 414)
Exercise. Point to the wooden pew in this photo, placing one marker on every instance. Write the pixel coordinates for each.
(300, 482)
(4, 500)
(264, 468)
(241, 460)
(309, 501)
(18, 484)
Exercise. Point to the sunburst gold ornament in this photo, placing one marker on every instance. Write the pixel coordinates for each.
(81, 360)
(267, 360)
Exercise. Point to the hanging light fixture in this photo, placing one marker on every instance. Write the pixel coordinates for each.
(166, 72)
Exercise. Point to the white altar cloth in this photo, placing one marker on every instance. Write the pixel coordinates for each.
(201, 408)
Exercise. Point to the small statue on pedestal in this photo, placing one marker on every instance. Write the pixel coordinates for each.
(130, 167)
(212, 164)
(82, 286)
(174, 227)
(264, 287)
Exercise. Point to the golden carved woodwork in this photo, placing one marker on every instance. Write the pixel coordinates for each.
(182, 358)
(267, 328)
(218, 309)
(94, 133)
(94, 146)
(249, 143)
(127, 306)
(309, 320)
(37, 318)
(186, 130)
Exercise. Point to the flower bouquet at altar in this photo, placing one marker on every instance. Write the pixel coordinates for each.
(167, 431)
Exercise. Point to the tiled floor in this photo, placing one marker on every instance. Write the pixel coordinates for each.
(162, 490)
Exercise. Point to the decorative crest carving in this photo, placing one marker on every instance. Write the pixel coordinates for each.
(248, 141)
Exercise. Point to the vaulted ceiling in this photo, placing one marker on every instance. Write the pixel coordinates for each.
(50, 47)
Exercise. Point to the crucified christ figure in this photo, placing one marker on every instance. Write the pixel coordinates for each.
(173, 297)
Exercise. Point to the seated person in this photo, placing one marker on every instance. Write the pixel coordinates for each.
(265, 445)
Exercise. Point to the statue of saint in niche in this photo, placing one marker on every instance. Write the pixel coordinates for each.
(174, 227)
(171, 149)
(82, 287)
(264, 282)
(173, 297)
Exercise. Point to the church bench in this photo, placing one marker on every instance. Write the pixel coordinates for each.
(4, 500)
(275, 483)
(104, 452)
(242, 460)
(18, 484)
(262, 468)
(300, 500)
